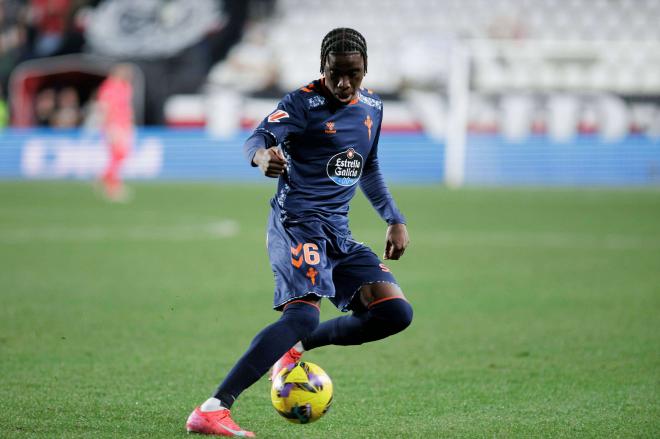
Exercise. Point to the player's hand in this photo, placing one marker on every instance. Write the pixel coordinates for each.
(271, 161)
(396, 241)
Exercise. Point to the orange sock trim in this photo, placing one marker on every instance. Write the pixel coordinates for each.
(384, 299)
(303, 301)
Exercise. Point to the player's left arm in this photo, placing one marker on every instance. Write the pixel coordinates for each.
(374, 187)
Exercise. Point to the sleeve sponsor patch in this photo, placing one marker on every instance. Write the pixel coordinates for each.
(277, 115)
(375, 103)
(316, 101)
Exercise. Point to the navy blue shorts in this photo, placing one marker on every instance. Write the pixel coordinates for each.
(311, 257)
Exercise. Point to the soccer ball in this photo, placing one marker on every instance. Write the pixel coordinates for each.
(302, 393)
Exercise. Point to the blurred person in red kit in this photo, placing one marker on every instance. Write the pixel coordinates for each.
(114, 101)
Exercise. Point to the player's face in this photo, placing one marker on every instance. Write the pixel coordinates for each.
(343, 75)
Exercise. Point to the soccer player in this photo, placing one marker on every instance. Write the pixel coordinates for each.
(115, 105)
(320, 142)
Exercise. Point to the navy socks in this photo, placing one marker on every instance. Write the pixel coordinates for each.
(384, 318)
(298, 320)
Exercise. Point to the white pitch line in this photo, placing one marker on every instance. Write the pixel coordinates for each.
(228, 228)
(214, 230)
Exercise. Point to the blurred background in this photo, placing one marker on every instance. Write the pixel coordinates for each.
(482, 92)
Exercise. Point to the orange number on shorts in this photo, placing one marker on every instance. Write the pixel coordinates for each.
(310, 254)
(312, 257)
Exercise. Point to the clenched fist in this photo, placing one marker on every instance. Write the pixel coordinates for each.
(271, 161)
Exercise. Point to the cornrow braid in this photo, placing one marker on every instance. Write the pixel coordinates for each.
(343, 40)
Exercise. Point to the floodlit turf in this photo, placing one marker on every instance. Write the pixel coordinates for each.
(536, 314)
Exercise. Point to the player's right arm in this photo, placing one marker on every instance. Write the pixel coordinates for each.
(271, 161)
(261, 148)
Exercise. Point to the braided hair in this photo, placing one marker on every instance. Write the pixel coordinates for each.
(343, 40)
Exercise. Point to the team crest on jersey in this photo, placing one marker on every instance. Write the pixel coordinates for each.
(277, 115)
(330, 128)
(368, 123)
(345, 168)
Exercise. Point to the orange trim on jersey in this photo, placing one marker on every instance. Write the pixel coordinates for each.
(384, 299)
(297, 262)
(303, 301)
(296, 250)
(308, 88)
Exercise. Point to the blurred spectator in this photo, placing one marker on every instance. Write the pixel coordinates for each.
(236, 15)
(48, 20)
(13, 36)
(73, 38)
(250, 65)
(4, 112)
(44, 107)
(67, 114)
(509, 27)
(91, 114)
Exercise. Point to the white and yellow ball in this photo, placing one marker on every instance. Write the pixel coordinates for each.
(302, 393)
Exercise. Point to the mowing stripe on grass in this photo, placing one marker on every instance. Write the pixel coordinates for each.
(185, 232)
(532, 239)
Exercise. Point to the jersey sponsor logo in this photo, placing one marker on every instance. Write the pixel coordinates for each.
(345, 168)
(316, 101)
(330, 128)
(277, 115)
(55, 156)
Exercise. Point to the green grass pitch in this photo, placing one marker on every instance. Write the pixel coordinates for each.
(537, 314)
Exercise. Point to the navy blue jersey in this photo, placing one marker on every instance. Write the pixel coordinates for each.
(329, 149)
